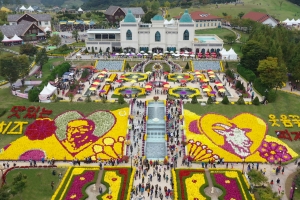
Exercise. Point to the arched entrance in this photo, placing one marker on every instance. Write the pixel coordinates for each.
(197, 50)
(212, 50)
(157, 50)
(203, 51)
(186, 49)
(129, 50)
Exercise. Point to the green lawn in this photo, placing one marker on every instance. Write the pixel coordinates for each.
(221, 32)
(150, 65)
(56, 51)
(288, 10)
(236, 47)
(79, 44)
(14, 48)
(285, 104)
(38, 183)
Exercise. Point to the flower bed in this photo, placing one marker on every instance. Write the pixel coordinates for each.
(195, 90)
(173, 77)
(250, 134)
(117, 91)
(104, 137)
(189, 184)
(141, 77)
(112, 77)
(106, 87)
(232, 183)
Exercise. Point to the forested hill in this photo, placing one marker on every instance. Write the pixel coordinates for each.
(295, 2)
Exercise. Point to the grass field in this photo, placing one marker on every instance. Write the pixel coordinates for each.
(288, 10)
(14, 48)
(38, 183)
(285, 104)
(221, 32)
(150, 65)
(236, 47)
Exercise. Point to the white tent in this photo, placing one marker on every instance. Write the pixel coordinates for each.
(298, 21)
(224, 54)
(231, 54)
(30, 9)
(23, 8)
(80, 10)
(287, 20)
(47, 29)
(5, 39)
(46, 93)
(16, 38)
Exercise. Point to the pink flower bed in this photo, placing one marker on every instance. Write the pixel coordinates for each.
(230, 185)
(75, 191)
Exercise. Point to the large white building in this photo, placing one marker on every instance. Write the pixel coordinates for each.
(159, 36)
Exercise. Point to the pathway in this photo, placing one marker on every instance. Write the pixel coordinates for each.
(93, 190)
(208, 191)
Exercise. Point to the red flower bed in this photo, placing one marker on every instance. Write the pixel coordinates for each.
(124, 172)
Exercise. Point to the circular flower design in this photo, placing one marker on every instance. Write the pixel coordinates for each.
(194, 181)
(109, 196)
(273, 151)
(82, 178)
(114, 179)
(73, 196)
(40, 129)
(227, 181)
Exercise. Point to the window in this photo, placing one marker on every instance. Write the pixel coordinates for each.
(200, 25)
(95, 48)
(157, 36)
(215, 24)
(88, 48)
(196, 25)
(212, 24)
(204, 25)
(186, 35)
(46, 23)
(128, 35)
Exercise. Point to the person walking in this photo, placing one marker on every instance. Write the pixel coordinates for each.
(278, 181)
(161, 196)
(52, 185)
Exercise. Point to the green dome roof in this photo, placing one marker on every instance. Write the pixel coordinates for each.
(186, 18)
(129, 17)
(158, 18)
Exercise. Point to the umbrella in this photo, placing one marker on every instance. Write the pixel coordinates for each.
(92, 88)
(165, 88)
(104, 72)
(119, 81)
(211, 72)
(179, 77)
(197, 72)
(166, 85)
(206, 89)
(213, 92)
(148, 72)
(148, 86)
(202, 81)
(101, 91)
(145, 54)
(220, 87)
(107, 79)
(205, 80)
(149, 89)
(96, 83)
(222, 90)
(198, 75)
(219, 84)
(216, 82)
(101, 76)
(183, 81)
(182, 92)
(149, 83)
(133, 81)
(204, 86)
(128, 91)
(186, 76)
(166, 73)
(212, 76)
(122, 76)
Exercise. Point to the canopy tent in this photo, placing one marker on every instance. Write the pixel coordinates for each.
(5, 39)
(286, 21)
(231, 54)
(16, 39)
(30, 9)
(80, 10)
(23, 8)
(45, 94)
(224, 54)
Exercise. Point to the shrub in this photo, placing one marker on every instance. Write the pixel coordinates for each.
(246, 73)
(71, 97)
(238, 84)
(256, 101)
(209, 100)
(121, 99)
(225, 100)
(93, 51)
(271, 96)
(85, 73)
(88, 99)
(240, 101)
(33, 95)
(86, 51)
(229, 73)
(2, 111)
(187, 66)
(194, 100)
(259, 86)
(226, 65)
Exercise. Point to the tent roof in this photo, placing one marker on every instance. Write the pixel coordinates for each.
(231, 52)
(46, 91)
(23, 8)
(287, 20)
(223, 52)
(30, 8)
(80, 10)
(16, 38)
(5, 39)
(51, 87)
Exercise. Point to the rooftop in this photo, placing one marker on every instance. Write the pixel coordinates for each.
(158, 18)
(256, 16)
(186, 17)
(129, 17)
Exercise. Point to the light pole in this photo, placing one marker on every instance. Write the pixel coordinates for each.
(243, 165)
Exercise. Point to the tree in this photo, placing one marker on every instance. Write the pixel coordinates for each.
(271, 73)
(18, 184)
(294, 64)
(256, 101)
(194, 100)
(187, 66)
(257, 178)
(1, 36)
(148, 16)
(155, 5)
(121, 99)
(55, 40)
(225, 100)
(253, 51)
(147, 4)
(41, 57)
(167, 4)
(226, 65)
(241, 14)
(209, 100)
(75, 35)
(230, 38)
(4, 192)
(224, 14)
(48, 34)
(23, 65)
(28, 49)
(88, 15)
(71, 97)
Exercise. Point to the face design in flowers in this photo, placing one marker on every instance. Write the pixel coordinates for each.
(235, 138)
(80, 133)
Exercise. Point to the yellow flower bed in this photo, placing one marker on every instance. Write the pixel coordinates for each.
(213, 147)
(142, 92)
(3, 82)
(173, 77)
(193, 185)
(175, 184)
(110, 145)
(144, 77)
(195, 90)
(114, 181)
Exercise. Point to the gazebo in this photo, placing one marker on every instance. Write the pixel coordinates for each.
(16, 39)
(30, 9)
(80, 10)
(23, 8)
(6, 40)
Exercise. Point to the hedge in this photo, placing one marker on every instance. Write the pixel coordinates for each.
(246, 73)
